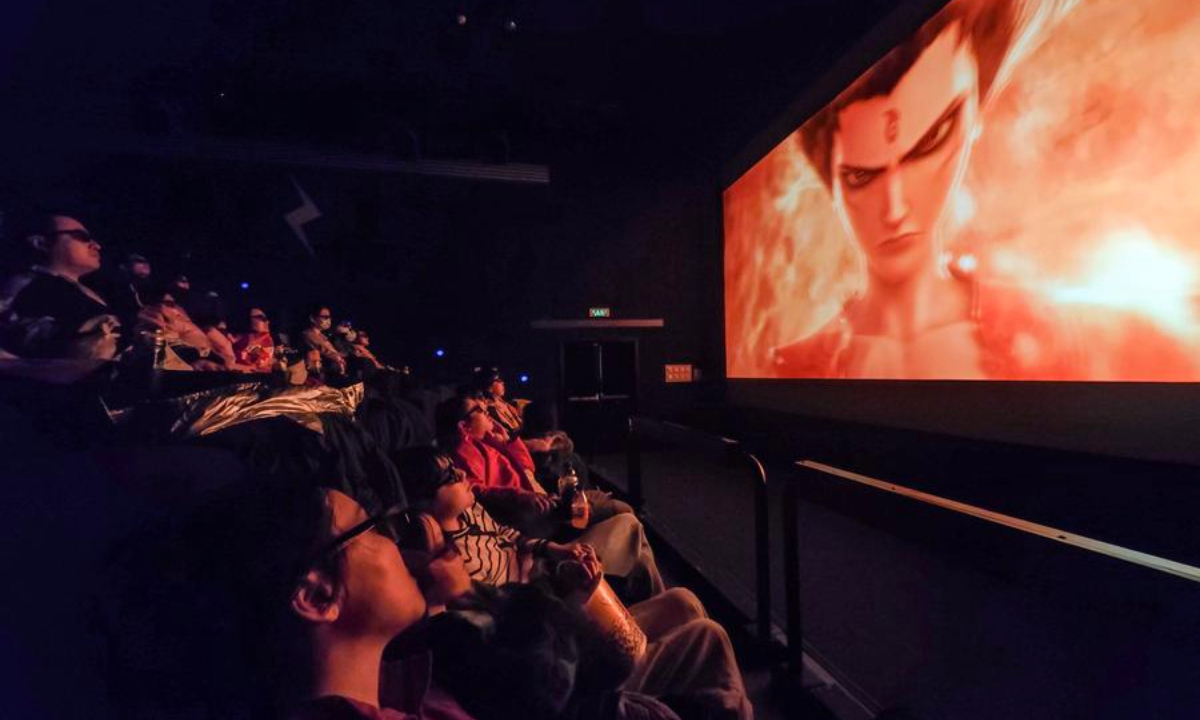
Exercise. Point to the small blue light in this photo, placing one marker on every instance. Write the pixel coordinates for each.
(245, 286)
(524, 378)
(439, 352)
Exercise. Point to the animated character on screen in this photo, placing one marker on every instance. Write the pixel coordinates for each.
(893, 149)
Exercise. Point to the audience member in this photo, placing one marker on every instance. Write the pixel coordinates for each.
(211, 321)
(343, 337)
(322, 590)
(124, 292)
(255, 347)
(315, 337)
(54, 315)
(488, 385)
(312, 364)
(362, 349)
(482, 448)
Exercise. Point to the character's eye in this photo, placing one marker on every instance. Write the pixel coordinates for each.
(856, 178)
(937, 135)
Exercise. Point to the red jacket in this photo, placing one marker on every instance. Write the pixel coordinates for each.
(492, 464)
(498, 473)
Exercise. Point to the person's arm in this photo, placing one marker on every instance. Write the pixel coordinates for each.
(533, 514)
(328, 351)
(610, 638)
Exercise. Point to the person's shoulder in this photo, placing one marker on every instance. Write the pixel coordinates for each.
(814, 355)
(36, 285)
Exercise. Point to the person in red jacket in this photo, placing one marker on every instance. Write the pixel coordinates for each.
(483, 448)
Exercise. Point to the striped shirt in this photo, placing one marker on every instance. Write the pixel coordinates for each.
(491, 551)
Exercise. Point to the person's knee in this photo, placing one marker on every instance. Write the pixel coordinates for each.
(618, 507)
(685, 605)
(624, 525)
(711, 629)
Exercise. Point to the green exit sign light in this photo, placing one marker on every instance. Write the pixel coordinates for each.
(599, 312)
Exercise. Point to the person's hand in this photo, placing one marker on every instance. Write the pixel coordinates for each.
(538, 445)
(558, 552)
(576, 580)
(499, 434)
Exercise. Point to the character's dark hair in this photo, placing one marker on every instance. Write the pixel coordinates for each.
(989, 26)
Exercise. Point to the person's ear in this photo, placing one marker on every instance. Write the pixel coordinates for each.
(39, 242)
(316, 598)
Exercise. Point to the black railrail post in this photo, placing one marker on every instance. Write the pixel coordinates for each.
(791, 576)
(633, 467)
(762, 550)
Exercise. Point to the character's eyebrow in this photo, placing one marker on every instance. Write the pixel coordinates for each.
(919, 148)
(949, 112)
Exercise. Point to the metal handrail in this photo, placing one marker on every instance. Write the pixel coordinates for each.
(722, 449)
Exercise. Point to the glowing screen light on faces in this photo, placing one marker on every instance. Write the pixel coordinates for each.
(1006, 195)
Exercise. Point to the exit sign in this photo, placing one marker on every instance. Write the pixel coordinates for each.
(599, 312)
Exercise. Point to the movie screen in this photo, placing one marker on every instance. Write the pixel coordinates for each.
(1010, 194)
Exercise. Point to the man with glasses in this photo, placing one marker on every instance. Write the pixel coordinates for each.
(322, 590)
(54, 315)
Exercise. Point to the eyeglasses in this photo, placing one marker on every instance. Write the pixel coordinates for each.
(387, 523)
(258, 316)
(324, 317)
(476, 409)
(80, 235)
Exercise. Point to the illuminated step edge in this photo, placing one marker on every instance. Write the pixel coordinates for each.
(1153, 562)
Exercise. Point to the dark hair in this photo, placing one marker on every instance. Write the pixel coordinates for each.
(22, 226)
(255, 543)
(314, 308)
(449, 414)
(422, 470)
(988, 25)
(482, 379)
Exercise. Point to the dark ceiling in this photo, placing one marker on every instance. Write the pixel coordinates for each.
(686, 81)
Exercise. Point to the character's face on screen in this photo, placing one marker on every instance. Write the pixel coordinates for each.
(898, 158)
